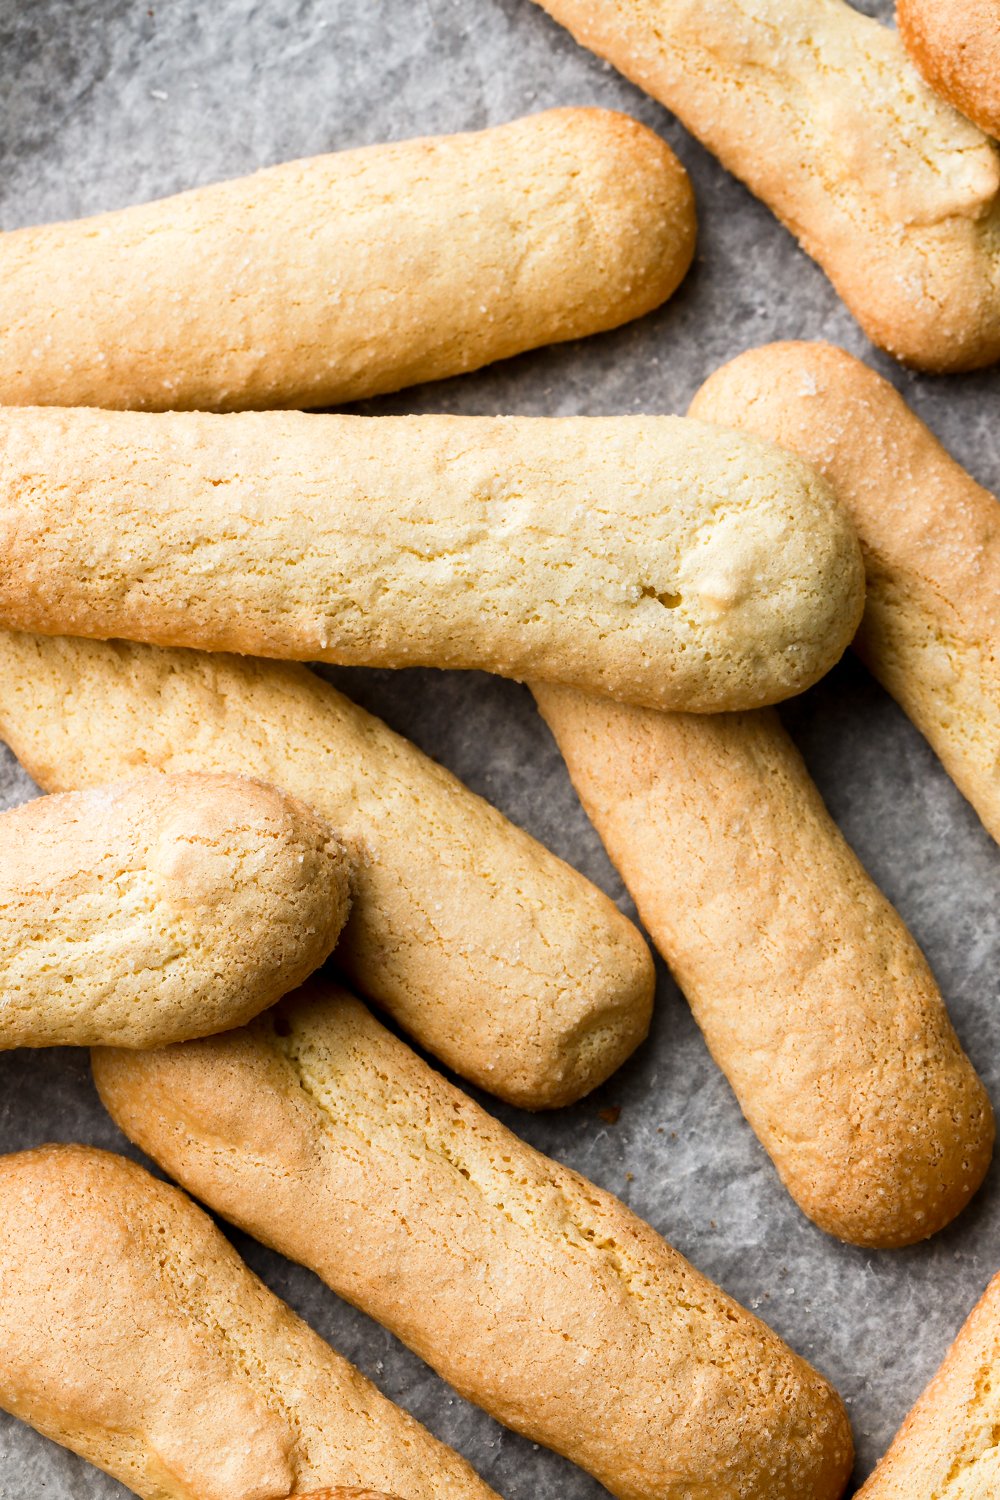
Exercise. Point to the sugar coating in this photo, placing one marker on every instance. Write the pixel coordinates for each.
(947, 1447)
(813, 997)
(957, 49)
(930, 537)
(132, 1333)
(658, 560)
(536, 1294)
(500, 959)
(326, 280)
(818, 109)
(160, 908)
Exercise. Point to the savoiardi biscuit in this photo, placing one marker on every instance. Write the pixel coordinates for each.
(537, 1295)
(659, 560)
(160, 908)
(326, 280)
(133, 1333)
(497, 956)
(818, 109)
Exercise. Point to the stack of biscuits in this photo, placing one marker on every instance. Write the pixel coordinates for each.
(180, 531)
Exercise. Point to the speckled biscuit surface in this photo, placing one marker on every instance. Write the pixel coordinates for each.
(338, 277)
(930, 537)
(535, 1293)
(160, 908)
(658, 560)
(499, 958)
(131, 1332)
(956, 46)
(813, 997)
(818, 109)
(947, 1447)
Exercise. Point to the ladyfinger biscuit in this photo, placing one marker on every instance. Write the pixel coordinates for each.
(537, 1295)
(326, 280)
(499, 958)
(160, 908)
(819, 111)
(813, 997)
(655, 559)
(132, 1333)
(930, 537)
(956, 46)
(947, 1447)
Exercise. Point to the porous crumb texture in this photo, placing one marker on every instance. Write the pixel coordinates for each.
(160, 908)
(496, 955)
(541, 1297)
(655, 559)
(813, 997)
(329, 279)
(930, 537)
(956, 46)
(131, 1332)
(818, 109)
(949, 1446)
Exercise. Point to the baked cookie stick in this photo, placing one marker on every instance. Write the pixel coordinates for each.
(956, 46)
(326, 280)
(819, 111)
(658, 560)
(537, 1295)
(947, 1447)
(930, 537)
(132, 1333)
(159, 909)
(813, 997)
(499, 958)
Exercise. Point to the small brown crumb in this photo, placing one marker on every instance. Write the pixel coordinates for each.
(610, 1113)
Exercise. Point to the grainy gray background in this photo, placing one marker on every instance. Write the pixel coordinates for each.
(108, 102)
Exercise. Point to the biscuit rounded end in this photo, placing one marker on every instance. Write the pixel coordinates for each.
(957, 49)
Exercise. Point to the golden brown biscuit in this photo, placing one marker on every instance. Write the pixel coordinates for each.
(496, 955)
(947, 1447)
(956, 46)
(159, 909)
(326, 280)
(132, 1333)
(819, 111)
(813, 997)
(537, 1295)
(929, 533)
(655, 559)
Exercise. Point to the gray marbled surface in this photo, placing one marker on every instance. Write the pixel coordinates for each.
(107, 102)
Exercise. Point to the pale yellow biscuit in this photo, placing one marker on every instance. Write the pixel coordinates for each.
(159, 909)
(956, 46)
(658, 560)
(819, 111)
(539, 1296)
(930, 537)
(326, 280)
(947, 1448)
(813, 997)
(132, 1333)
(496, 955)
